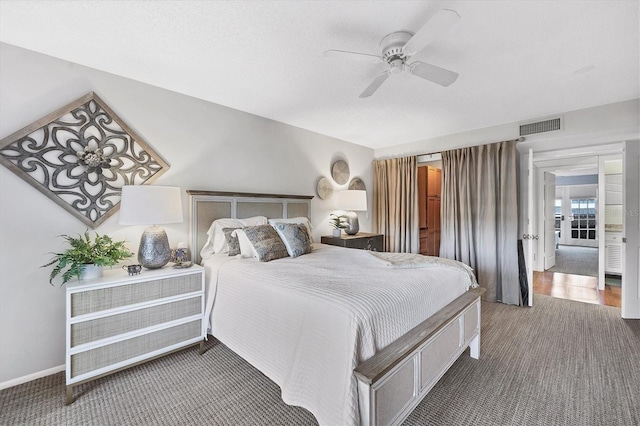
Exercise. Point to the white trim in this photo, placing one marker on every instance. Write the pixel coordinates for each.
(30, 377)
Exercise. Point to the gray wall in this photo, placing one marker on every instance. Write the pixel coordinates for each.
(208, 146)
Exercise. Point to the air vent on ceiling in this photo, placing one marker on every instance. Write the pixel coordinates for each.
(540, 127)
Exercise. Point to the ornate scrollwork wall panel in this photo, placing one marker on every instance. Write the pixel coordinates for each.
(80, 156)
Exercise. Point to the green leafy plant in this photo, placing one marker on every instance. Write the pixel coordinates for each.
(101, 251)
(338, 221)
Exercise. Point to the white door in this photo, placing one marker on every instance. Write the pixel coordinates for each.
(528, 237)
(549, 220)
(631, 207)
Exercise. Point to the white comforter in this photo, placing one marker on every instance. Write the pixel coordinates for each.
(306, 322)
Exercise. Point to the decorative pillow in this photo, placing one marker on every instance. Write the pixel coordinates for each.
(295, 238)
(266, 242)
(232, 241)
(301, 220)
(217, 243)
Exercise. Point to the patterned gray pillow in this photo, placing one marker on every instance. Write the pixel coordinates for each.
(295, 237)
(266, 242)
(232, 241)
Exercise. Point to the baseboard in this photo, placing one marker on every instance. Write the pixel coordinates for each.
(30, 377)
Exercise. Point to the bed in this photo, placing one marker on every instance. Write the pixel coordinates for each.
(355, 337)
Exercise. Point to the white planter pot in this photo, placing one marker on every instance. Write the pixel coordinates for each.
(90, 271)
(337, 232)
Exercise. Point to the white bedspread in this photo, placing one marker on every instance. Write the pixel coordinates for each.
(306, 322)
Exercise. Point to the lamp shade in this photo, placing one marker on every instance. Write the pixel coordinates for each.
(352, 200)
(150, 205)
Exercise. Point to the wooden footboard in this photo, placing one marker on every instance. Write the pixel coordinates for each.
(394, 381)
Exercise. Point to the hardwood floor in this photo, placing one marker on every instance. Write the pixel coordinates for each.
(575, 287)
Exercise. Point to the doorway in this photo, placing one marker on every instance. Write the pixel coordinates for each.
(569, 224)
(575, 223)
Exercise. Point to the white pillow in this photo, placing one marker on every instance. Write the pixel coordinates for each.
(217, 243)
(246, 248)
(302, 220)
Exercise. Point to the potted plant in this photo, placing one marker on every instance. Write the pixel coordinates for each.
(338, 223)
(85, 258)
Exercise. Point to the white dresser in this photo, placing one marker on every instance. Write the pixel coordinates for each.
(118, 321)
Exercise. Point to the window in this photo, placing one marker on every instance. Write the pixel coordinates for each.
(583, 218)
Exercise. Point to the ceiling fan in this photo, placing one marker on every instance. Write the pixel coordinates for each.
(398, 47)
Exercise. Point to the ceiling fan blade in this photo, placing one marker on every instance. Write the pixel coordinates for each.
(374, 85)
(343, 54)
(439, 24)
(433, 73)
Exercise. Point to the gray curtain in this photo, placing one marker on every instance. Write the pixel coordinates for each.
(395, 203)
(480, 216)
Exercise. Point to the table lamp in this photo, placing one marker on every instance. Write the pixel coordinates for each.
(151, 205)
(351, 201)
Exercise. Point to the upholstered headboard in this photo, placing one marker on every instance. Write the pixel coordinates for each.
(207, 206)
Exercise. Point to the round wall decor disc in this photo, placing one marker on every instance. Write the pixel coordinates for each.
(357, 184)
(324, 189)
(340, 172)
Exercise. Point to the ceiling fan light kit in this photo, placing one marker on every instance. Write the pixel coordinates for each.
(399, 46)
(393, 53)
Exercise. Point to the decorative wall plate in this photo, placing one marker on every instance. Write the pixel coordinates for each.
(324, 189)
(340, 172)
(357, 184)
(80, 156)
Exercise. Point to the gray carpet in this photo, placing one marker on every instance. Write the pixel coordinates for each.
(558, 363)
(576, 260)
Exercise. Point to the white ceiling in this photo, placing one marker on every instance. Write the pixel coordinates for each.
(517, 60)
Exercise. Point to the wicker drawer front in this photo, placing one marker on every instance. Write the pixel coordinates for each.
(86, 302)
(105, 356)
(101, 328)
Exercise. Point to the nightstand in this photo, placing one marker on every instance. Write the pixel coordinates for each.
(361, 240)
(118, 321)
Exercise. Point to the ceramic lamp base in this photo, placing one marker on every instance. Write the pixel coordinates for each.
(353, 227)
(154, 251)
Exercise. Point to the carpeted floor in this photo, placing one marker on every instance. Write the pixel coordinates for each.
(576, 260)
(558, 363)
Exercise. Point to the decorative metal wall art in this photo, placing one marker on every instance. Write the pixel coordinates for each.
(80, 156)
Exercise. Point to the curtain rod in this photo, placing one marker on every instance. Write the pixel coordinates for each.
(520, 139)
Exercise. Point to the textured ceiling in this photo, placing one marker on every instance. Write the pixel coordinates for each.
(517, 60)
